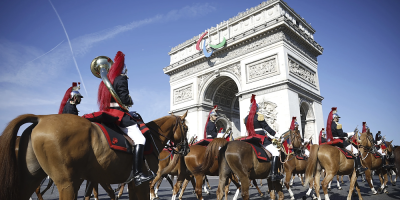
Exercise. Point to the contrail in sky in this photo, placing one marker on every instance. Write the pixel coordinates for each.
(45, 53)
(70, 46)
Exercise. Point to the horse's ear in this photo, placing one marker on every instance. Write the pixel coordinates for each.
(172, 113)
(184, 115)
(391, 142)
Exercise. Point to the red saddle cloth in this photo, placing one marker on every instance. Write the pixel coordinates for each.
(203, 142)
(377, 155)
(346, 153)
(334, 142)
(117, 141)
(255, 143)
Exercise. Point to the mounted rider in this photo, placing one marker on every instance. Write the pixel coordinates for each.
(322, 136)
(335, 132)
(256, 125)
(71, 99)
(210, 131)
(117, 75)
(381, 149)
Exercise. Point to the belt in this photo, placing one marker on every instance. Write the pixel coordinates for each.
(114, 104)
(259, 129)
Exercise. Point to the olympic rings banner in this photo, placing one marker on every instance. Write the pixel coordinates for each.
(213, 47)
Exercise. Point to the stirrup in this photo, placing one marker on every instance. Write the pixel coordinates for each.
(361, 170)
(141, 178)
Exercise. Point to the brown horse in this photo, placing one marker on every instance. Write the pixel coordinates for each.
(70, 149)
(372, 163)
(292, 165)
(335, 163)
(199, 162)
(238, 157)
(396, 153)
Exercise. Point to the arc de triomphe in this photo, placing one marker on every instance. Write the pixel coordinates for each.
(270, 52)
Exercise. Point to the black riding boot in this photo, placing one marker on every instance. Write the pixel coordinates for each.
(273, 174)
(359, 168)
(137, 174)
(384, 165)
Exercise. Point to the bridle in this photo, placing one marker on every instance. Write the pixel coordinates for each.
(183, 144)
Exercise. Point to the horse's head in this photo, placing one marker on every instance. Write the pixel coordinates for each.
(180, 135)
(367, 140)
(389, 148)
(295, 137)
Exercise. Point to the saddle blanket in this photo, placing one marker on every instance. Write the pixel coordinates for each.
(346, 153)
(377, 155)
(258, 150)
(117, 141)
(334, 142)
(203, 142)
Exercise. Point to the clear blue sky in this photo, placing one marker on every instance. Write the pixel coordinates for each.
(358, 70)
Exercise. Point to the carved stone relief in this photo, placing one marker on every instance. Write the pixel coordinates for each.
(297, 69)
(183, 94)
(268, 109)
(262, 68)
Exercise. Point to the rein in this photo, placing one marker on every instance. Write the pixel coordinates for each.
(183, 141)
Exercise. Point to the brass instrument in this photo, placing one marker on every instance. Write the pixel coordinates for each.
(100, 67)
(277, 143)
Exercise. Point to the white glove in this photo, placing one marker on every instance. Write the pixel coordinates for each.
(350, 134)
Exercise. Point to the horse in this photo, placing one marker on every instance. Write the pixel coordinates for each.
(368, 159)
(71, 149)
(292, 165)
(335, 163)
(396, 153)
(238, 157)
(199, 162)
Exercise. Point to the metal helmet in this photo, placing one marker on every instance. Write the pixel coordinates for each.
(213, 113)
(75, 93)
(335, 115)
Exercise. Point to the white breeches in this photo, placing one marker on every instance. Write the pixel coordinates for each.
(307, 152)
(134, 133)
(355, 151)
(381, 152)
(272, 149)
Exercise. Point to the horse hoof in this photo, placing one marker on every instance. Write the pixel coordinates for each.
(304, 197)
(339, 188)
(393, 184)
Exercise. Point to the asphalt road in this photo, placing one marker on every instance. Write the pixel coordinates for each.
(298, 190)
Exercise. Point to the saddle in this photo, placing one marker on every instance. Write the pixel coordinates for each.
(117, 139)
(261, 153)
(203, 142)
(346, 153)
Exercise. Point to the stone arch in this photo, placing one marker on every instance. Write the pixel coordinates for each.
(221, 89)
(307, 118)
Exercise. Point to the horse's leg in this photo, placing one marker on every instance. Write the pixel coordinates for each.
(341, 178)
(88, 190)
(310, 188)
(379, 173)
(291, 179)
(204, 186)
(235, 181)
(179, 181)
(385, 176)
(224, 171)
(49, 184)
(271, 189)
(288, 182)
(328, 178)
(369, 181)
(358, 191)
(338, 183)
(353, 181)
(109, 190)
(153, 183)
(68, 190)
(95, 191)
(208, 183)
(199, 184)
(169, 181)
(317, 179)
(227, 189)
(121, 190)
(184, 185)
(261, 182)
(159, 184)
(258, 189)
(301, 179)
(278, 188)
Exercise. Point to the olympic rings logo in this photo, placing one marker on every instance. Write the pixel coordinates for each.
(213, 47)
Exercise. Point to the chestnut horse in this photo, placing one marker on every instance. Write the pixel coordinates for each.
(396, 153)
(372, 163)
(199, 162)
(335, 163)
(238, 157)
(70, 149)
(293, 165)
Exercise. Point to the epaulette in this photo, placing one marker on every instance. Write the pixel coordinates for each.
(339, 126)
(260, 117)
(244, 120)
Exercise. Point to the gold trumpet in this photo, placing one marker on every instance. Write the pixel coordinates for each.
(100, 67)
(277, 143)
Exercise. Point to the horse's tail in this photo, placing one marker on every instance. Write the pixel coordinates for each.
(172, 164)
(212, 151)
(312, 163)
(9, 177)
